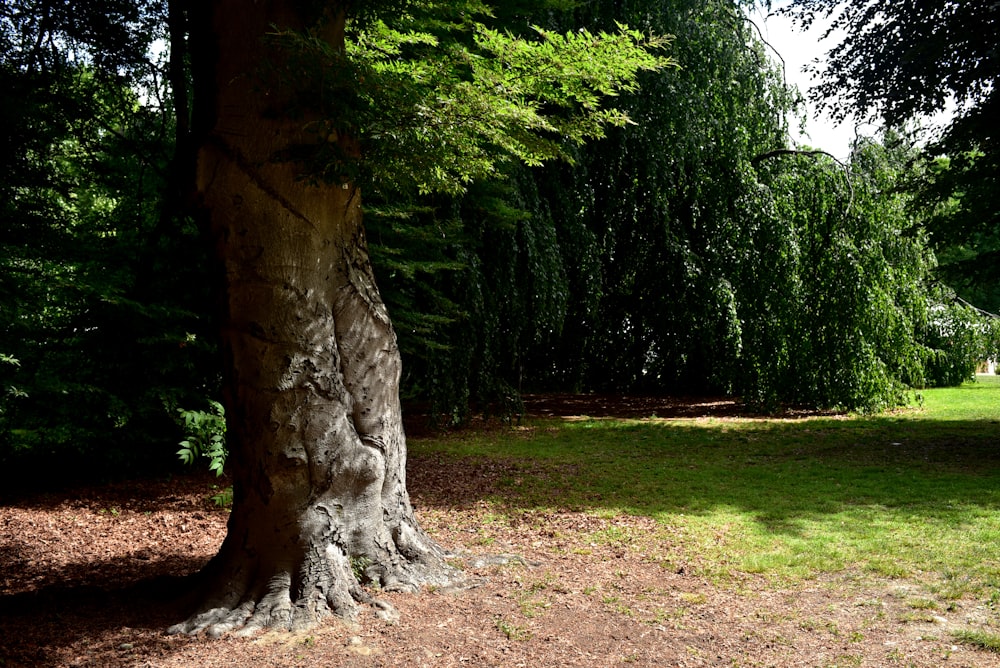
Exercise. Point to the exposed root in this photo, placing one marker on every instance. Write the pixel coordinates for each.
(331, 590)
(276, 611)
(497, 560)
(386, 612)
(214, 622)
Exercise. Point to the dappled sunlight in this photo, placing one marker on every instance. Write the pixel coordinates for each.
(898, 495)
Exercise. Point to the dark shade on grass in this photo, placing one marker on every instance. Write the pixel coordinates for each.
(910, 494)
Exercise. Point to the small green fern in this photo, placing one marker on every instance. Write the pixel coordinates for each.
(205, 436)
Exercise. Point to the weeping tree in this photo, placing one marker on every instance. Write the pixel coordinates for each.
(899, 63)
(650, 220)
(702, 255)
(835, 316)
(298, 104)
(691, 252)
(612, 271)
(671, 253)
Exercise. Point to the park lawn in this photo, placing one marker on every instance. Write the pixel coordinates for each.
(910, 495)
(822, 541)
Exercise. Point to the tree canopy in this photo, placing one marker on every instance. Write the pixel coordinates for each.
(435, 97)
(902, 62)
(683, 247)
(694, 252)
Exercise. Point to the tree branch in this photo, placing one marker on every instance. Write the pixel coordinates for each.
(777, 153)
(760, 157)
(760, 36)
(992, 316)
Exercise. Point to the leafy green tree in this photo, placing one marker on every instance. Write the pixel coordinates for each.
(508, 294)
(836, 311)
(959, 196)
(959, 339)
(98, 288)
(650, 219)
(297, 105)
(901, 61)
(669, 257)
(700, 255)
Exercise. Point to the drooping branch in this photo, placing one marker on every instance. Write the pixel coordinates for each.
(779, 152)
(760, 36)
(760, 157)
(982, 312)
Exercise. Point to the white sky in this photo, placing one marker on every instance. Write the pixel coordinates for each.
(799, 49)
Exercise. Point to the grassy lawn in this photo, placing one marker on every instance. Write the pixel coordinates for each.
(911, 495)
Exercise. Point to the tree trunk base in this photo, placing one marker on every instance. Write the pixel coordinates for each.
(327, 584)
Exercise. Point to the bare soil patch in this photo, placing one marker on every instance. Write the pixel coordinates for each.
(91, 578)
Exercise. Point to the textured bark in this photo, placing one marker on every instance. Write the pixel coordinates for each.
(312, 366)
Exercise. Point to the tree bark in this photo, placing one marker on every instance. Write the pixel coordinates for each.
(312, 367)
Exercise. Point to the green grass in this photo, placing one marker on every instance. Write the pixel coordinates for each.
(976, 638)
(912, 494)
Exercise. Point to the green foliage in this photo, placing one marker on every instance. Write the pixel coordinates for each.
(682, 250)
(902, 62)
(204, 436)
(963, 222)
(656, 204)
(490, 277)
(101, 287)
(359, 566)
(959, 338)
(667, 207)
(834, 294)
(674, 256)
(978, 638)
(436, 99)
(604, 270)
(223, 498)
(414, 250)
(516, 291)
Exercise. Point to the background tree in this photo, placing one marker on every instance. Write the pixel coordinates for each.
(900, 62)
(609, 273)
(836, 315)
(100, 291)
(674, 256)
(680, 259)
(666, 208)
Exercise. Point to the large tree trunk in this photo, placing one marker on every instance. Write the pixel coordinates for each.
(312, 366)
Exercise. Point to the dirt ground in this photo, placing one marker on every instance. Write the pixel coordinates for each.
(89, 578)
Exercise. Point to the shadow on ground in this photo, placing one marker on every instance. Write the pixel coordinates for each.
(68, 624)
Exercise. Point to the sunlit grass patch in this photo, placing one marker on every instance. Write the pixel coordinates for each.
(978, 638)
(514, 632)
(692, 598)
(913, 495)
